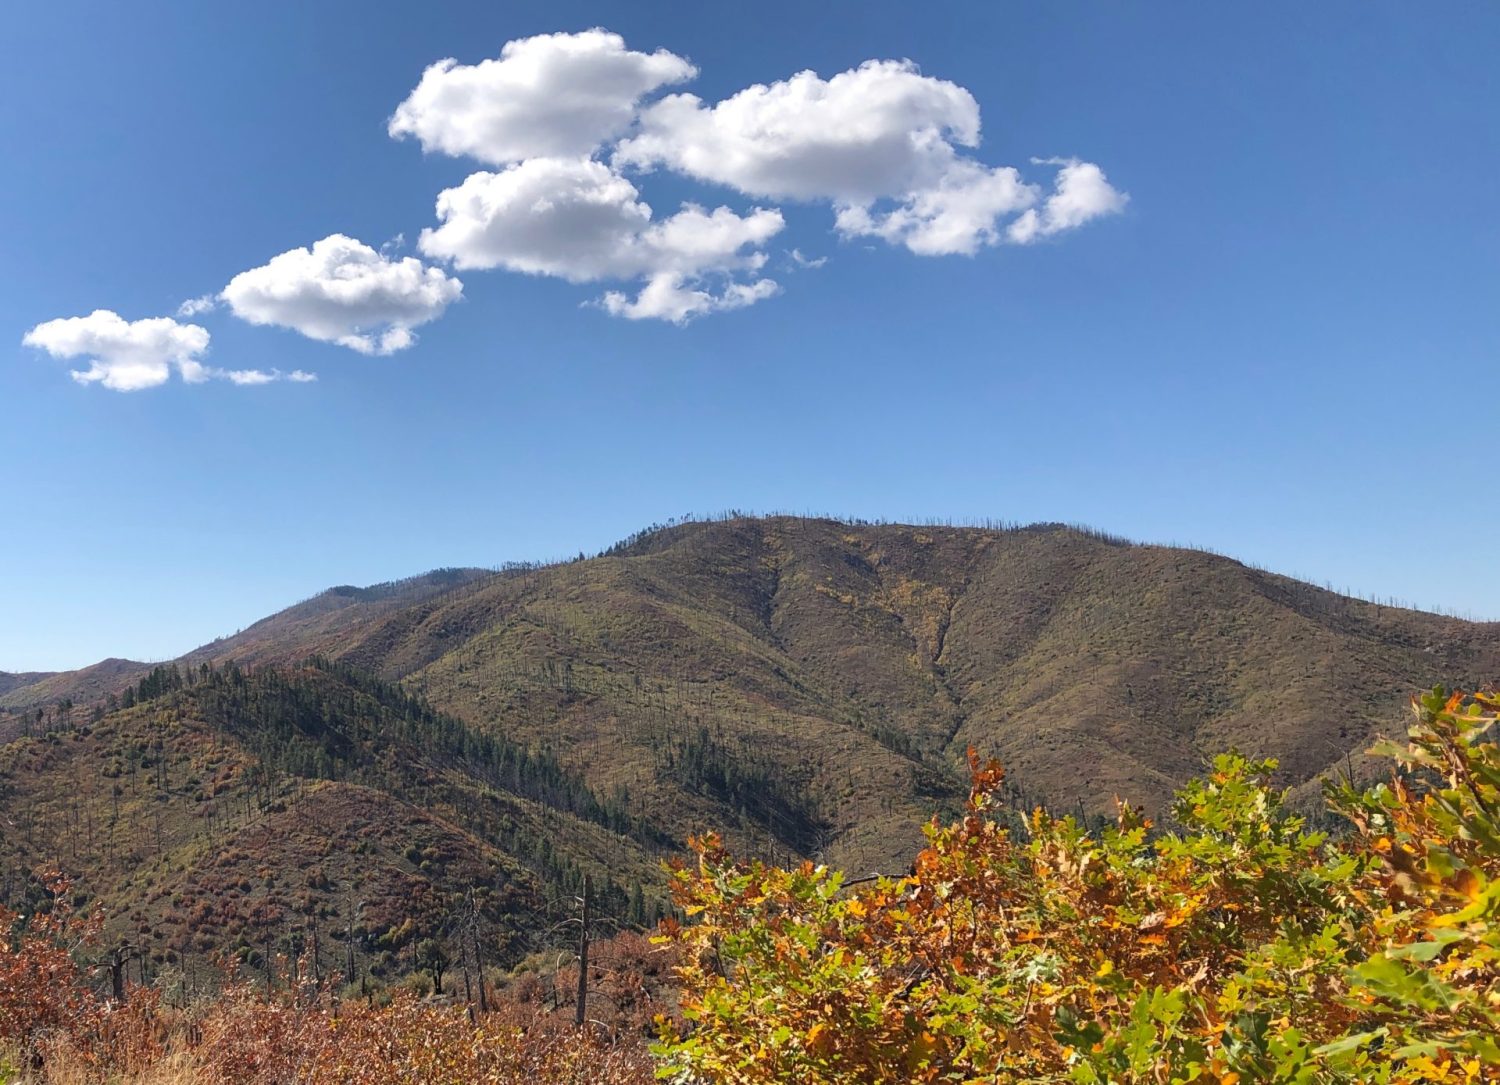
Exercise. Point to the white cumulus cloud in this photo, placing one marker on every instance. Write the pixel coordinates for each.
(885, 144)
(579, 220)
(572, 121)
(881, 129)
(130, 355)
(568, 124)
(958, 214)
(342, 291)
(554, 95)
(1080, 193)
(547, 216)
(124, 355)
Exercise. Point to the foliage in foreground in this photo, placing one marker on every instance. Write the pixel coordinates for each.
(55, 1028)
(1241, 946)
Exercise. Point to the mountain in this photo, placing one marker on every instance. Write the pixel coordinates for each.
(326, 620)
(321, 620)
(86, 684)
(852, 665)
(810, 686)
(10, 681)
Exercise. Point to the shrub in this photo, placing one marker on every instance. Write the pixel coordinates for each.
(1239, 946)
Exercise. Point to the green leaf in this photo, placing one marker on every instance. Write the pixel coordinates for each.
(1349, 1043)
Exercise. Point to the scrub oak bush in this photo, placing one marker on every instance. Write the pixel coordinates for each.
(1238, 946)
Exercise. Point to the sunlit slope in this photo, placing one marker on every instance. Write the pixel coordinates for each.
(815, 684)
(812, 685)
(231, 811)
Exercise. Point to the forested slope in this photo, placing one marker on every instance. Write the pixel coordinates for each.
(250, 812)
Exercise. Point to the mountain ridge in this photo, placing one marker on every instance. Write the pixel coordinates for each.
(10, 680)
(807, 688)
(730, 672)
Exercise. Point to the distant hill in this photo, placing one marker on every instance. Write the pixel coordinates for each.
(328, 617)
(10, 681)
(811, 686)
(314, 622)
(87, 684)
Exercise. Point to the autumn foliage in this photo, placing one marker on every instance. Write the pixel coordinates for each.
(1240, 945)
(56, 1027)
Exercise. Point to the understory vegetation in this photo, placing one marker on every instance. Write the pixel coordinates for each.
(1238, 944)
(66, 1021)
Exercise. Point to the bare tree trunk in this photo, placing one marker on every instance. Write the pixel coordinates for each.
(317, 964)
(474, 943)
(479, 970)
(348, 941)
(581, 1005)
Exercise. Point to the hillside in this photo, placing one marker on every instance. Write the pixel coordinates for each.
(218, 810)
(839, 672)
(9, 681)
(811, 686)
(328, 618)
(80, 686)
(309, 625)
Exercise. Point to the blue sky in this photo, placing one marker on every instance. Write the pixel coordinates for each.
(1272, 330)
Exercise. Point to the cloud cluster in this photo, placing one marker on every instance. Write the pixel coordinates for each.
(566, 126)
(339, 290)
(551, 96)
(579, 220)
(342, 291)
(878, 130)
(130, 355)
(886, 147)
(883, 143)
(957, 214)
